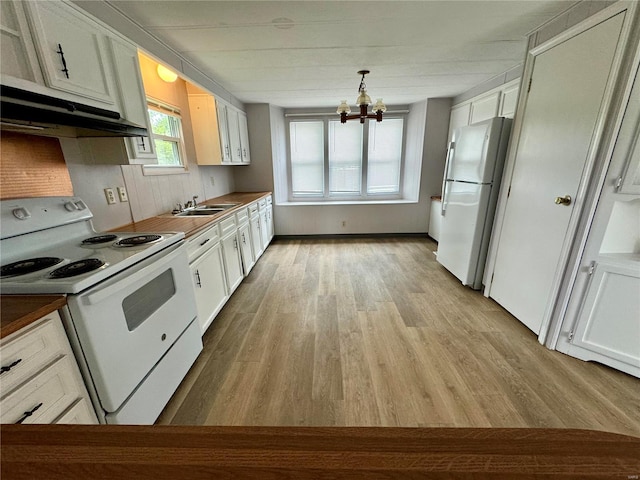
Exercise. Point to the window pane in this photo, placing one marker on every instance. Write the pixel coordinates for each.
(168, 152)
(307, 157)
(385, 155)
(345, 157)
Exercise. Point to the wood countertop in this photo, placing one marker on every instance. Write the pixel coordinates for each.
(172, 452)
(18, 311)
(192, 225)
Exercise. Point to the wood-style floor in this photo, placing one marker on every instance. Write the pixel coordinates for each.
(374, 332)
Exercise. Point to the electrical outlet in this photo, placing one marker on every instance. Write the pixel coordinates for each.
(122, 194)
(213, 182)
(111, 197)
(344, 223)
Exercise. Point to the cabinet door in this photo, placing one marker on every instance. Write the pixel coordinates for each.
(232, 261)
(627, 143)
(223, 131)
(270, 223)
(71, 51)
(264, 229)
(609, 324)
(485, 108)
(133, 101)
(459, 118)
(19, 58)
(244, 138)
(206, 131)
(256, 238)
(246, 249)
(210, 285)
(508, 101)
(235, 144)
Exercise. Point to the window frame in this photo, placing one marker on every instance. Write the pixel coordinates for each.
(161, 169)
(326, 196)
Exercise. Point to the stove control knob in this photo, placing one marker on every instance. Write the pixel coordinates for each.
(70, 206)
(81, 205)
(21, 213)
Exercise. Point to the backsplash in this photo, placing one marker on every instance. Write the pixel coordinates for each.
(32, 167)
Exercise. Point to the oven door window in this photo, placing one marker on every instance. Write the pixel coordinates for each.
(141, 304)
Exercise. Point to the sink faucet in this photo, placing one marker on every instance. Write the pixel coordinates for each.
(191, 203)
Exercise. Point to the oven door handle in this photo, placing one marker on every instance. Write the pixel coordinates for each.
(144, 273)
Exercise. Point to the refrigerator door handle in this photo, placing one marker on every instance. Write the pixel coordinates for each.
(443, 206)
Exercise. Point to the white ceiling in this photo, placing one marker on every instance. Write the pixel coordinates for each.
(307, 53)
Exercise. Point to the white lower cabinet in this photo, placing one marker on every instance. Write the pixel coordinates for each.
(256, 238)
(231, 254)
(608, 327)
(248, 260)
(222, 255)
(210, 285)
(41, 382)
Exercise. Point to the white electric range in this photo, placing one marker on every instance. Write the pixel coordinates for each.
(130, 303)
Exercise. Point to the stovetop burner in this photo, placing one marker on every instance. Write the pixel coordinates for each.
(99, 239)
(138, 240)
(30, 265)
(77, 268)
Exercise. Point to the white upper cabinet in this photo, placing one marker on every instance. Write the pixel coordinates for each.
(485, 107)
(18, 53)
(71, 51)
(206, 136)
(244, 138)
(132, 99)
(223, 131)
(627, 144)
(234, 135)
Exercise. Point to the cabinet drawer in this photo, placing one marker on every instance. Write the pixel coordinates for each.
(253, 209)
(227, 225)
(53, 389)
(262, 204)
(269, 200)
(242, 216)
(30, 350)
(199, 244)
(80, 413)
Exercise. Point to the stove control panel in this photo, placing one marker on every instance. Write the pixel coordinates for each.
(25, 215)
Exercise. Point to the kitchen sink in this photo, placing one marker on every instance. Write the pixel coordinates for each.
(199, 212)
(217, 206)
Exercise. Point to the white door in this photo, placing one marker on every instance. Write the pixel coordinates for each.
(210, 285)
(568, 85)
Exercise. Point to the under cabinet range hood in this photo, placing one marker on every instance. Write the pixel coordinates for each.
(37, 114)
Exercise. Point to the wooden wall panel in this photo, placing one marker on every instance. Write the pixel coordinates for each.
(32, 166)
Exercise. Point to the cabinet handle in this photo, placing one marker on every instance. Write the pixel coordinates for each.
(244, 240)
(6, 368)
(64, 62)
(226, 151)
(239, 154)
(141, 144)
(244, 152)
(26, 415)
(235, 243)
(205, 241)
(198, 282)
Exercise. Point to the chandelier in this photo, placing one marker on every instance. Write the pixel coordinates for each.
(363, 102)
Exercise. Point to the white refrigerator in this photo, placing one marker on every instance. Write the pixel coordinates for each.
(473, 171)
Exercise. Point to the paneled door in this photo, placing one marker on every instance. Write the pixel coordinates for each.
(560, 116)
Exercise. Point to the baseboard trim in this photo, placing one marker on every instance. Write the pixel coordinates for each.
(351, 235)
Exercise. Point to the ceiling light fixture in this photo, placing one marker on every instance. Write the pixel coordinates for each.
(363, 102)
(167, 75)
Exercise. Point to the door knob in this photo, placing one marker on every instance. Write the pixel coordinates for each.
(566, 200)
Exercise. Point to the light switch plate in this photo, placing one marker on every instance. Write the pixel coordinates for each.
(122, 194)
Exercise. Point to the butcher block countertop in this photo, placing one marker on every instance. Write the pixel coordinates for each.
(18, 311)
(190, 452)
(192, 225)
